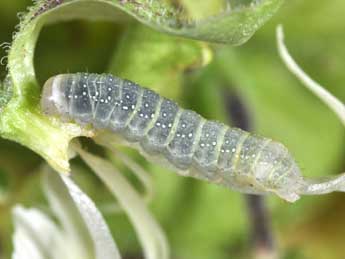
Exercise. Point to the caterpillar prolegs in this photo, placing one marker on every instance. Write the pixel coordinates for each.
(159, 128)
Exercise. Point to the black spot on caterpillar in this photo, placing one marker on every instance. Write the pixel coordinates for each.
(159, 128)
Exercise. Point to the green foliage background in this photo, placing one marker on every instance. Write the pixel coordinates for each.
(201, 220)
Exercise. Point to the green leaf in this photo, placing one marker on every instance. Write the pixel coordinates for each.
(158, 61)
(232, 26)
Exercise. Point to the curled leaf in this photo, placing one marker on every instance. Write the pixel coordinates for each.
(228, 25)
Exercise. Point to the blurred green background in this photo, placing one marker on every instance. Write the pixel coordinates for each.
(201, 220)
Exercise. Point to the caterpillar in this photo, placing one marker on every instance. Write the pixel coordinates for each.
(161, 130)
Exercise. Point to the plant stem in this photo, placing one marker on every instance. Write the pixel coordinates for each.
(261, 232)
(262, 236)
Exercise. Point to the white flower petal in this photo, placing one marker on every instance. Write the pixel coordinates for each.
(141, 173)
(337, 106)
(105, 247)
(77, 241)
(149, 232)
(35, 234)
(138, 170)
(83, 234)
(97, 240)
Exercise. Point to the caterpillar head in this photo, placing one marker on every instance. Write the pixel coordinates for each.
(53, 101)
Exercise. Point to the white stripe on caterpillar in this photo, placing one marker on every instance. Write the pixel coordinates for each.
(196, 147)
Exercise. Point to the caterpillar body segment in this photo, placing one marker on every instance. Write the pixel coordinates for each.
(196, 147)
(180, 149)
(157, 137)
(145, 115)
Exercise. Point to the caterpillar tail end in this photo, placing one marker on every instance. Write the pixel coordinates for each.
(289, 196)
